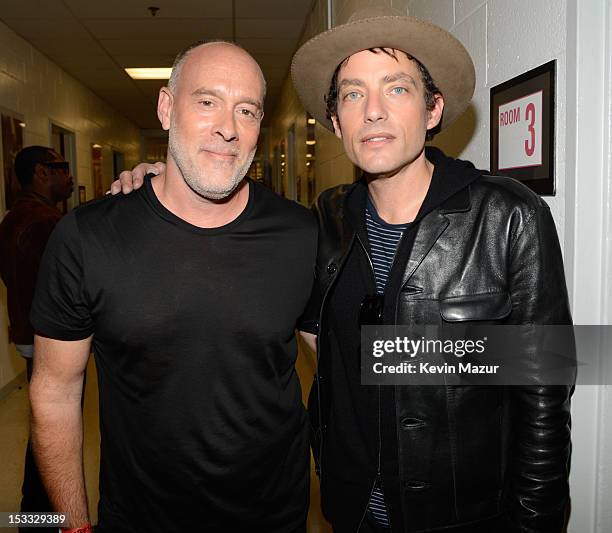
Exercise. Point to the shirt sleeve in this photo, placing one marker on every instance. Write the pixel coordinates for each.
(60, 308)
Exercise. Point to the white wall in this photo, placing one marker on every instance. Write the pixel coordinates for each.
(37, 89)
(505, 38)
(588, 242)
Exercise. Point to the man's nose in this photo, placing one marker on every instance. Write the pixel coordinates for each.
(375, 108)
(226, 125)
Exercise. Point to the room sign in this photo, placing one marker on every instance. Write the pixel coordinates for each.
(522, 128)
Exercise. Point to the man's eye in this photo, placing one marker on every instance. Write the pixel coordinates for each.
(247, 112)
(206, 103)
(398, 90)
(353, 95)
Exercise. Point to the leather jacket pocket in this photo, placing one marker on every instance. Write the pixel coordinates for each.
(487, 306)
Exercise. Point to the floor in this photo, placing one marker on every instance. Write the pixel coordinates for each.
(14, 413)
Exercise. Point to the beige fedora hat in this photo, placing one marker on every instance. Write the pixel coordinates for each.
(448, 62)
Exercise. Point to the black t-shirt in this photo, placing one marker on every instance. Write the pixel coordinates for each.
(200, 408)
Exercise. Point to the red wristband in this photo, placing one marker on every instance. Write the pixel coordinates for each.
(87, 528)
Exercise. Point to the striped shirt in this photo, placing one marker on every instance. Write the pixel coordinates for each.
(384, 239)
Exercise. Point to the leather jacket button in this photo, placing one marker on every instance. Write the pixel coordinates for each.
(411, 423)
(415, 486)
(332, 268)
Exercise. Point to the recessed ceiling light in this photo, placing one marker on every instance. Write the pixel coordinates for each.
(310, 143)
(22, 124)
(96, 145)
(162, 73)
(312, 121)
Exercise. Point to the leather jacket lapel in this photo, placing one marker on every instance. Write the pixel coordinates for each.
(430, 229)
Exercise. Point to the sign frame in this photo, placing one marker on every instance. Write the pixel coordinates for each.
(540, 178)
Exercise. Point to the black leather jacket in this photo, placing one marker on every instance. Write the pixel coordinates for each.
(464, 454)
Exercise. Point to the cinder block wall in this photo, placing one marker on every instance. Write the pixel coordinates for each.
(504, 39)
(35, 88)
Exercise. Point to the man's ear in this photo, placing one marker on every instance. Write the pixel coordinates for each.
(41, 173)
(336, 124)
(435, 115)
(165, 102)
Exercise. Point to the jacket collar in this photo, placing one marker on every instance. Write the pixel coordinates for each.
(356, 201)
(449, 190)
(459, 202)
(450, 184)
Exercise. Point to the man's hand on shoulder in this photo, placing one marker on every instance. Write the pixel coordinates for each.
(130, 180)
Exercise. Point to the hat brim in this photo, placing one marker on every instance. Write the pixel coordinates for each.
(446, 59)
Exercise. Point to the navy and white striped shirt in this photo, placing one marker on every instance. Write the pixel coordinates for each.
(384, 239)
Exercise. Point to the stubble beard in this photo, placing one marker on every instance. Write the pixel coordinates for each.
(195, 178)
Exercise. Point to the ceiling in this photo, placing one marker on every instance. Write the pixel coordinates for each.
(95, 40)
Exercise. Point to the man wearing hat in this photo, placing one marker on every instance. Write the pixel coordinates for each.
(425, 239)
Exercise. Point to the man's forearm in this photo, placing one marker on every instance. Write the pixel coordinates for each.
(57, 441)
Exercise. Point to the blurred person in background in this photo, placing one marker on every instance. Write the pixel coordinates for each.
(45, 181)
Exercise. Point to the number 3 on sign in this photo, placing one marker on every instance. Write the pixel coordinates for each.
(530, 116)
(520, 132)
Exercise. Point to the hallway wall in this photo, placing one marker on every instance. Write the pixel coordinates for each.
(331, 166)
(35, 89)
(504, 39)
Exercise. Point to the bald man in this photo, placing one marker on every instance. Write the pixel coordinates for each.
(189, 291)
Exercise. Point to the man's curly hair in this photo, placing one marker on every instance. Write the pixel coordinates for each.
(431, 90)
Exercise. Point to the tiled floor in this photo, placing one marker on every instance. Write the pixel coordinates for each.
(14, 414)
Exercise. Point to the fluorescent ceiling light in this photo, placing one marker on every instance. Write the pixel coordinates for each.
(162, 73)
